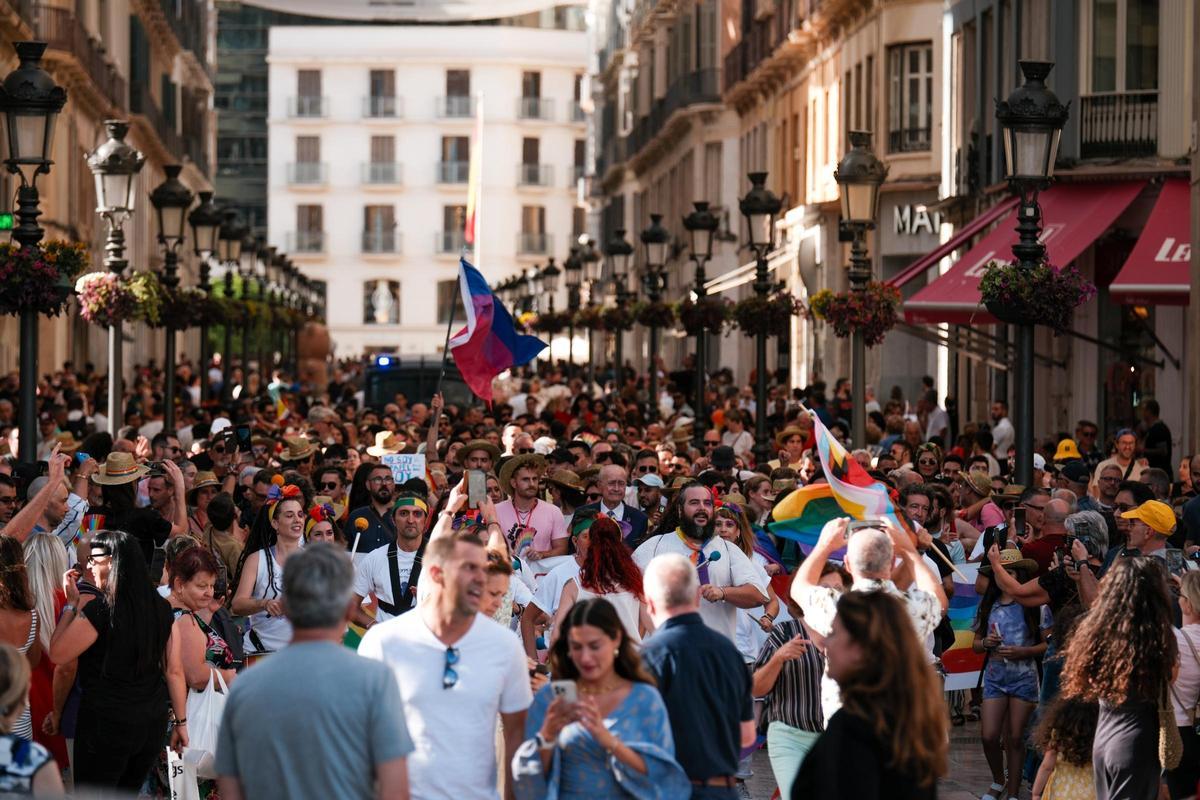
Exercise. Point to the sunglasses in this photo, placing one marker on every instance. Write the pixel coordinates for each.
(927, 462)
(449, 675)
(1122, 507)
(593, 497)
(334, 485)
(218, 448)
(707, 443)
(644, 468)
(524, 450)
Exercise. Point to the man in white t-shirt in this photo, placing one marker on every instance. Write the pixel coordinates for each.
(549, 589)
(456, 670)
(394, 589)
(728, 579)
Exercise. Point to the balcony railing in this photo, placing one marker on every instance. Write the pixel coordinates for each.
(143, 103)
(701, 86)
(535, 174)
(763, 37)
(380, 242)
(381, 107)
(909, 140)
(190, 25)
(382, 173)
(62, 30)
(1121, 125)
(577, 112)
(306, 242)
(535, 108)
(448, 242)
(533, 243)
(308, 107)
(452, 171)
(455, 107)
(307, 173)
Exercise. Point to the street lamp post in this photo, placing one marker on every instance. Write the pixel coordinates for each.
(171, 200)
(656, 239)
(701, 224)
(1031, 122)
(246, 264)
(617, 252)
(760, 207)
(230, 249)
(859, 176)
(549, 278)
(205, 220)
(591, 276)
(573, 268)
(115, 165)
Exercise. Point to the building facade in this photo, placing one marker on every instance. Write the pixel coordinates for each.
(370, 132)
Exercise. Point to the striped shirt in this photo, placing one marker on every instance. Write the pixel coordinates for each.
(795, 699)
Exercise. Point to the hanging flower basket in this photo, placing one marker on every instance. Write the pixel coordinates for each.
(39, 278)
(183, 306)
(590, 318)
(874, 313)
(151, 298)
(105, 299)
(551, 323)
(771, 315)
(654, 315)
(1039, 295)
(707, 314)
(617, 318)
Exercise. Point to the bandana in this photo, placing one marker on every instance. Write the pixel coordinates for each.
(321, 513)
(410, 502)
(696, 549)
(278, 493)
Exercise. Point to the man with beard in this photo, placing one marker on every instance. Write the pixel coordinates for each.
(728, 579)
(391, 572)
(534, 529)
(380, 528)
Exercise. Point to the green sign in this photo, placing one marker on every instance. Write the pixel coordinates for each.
(6, 221)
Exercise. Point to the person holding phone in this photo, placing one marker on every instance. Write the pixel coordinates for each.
(600, 729)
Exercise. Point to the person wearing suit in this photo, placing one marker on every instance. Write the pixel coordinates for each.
(612, 504)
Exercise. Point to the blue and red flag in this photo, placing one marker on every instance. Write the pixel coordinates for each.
(490, 343)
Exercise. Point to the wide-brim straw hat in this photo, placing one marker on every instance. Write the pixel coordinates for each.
(204, 479)
(980, 483)
(790, 431)
(387, 443)
(297, 449)
(119, 468)
(1013, 561)
(66, 442)
(566, 479)
(517, 462)
(479, 444)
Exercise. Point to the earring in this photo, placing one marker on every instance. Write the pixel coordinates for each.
(616, 652)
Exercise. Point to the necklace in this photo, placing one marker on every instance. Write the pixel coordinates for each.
(524, 523)
(611, 686)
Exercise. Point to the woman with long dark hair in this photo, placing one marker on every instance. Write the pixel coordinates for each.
(889, 739)
(121, 637)
(608, 571)
(277, 533)
(1122, 654)
(360, 495)
(615, 739)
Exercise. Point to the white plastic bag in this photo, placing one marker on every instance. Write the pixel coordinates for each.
(204, 711)
(182, 778)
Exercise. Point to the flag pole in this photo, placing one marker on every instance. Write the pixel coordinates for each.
(449, 328)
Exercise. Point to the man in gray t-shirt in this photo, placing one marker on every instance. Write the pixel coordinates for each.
(314, 719)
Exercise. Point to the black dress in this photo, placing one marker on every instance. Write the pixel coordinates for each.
(849, 761)
(1125, 751)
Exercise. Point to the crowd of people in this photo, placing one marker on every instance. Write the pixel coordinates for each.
(577, 596)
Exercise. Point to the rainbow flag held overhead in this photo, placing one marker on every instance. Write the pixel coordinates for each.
(859, 495)
(802, 514)
(963, 664)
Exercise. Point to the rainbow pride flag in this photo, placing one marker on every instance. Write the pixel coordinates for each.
(963, 664)
(802, 514)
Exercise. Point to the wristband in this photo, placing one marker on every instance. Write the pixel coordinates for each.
(69, 607)
(543, 743)
(179, 722)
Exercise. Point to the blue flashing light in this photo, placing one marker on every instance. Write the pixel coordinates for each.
(384, 361)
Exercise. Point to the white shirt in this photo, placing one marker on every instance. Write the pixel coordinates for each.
(741, 442)
(372, 573)
(938, 424)
(1186, 690)
(617, 513)
(1002, 437)
(453, 729)
(549, 590)
(730, 569)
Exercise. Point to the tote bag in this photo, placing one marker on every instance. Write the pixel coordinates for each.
(204, 711)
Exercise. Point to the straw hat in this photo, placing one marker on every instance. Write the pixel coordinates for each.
(980, 483)
(788, 432)
(66, 442)
(298, 449)
(386, 444)
(1012, 561)
(204, 478)
(682, 435)
(1067, 451)
(339, 509)
(566, 479)
(678, 483)
(119, 468)
(480, 444)
(517, 462)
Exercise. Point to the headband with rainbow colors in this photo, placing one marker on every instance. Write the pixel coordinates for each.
(414, 502)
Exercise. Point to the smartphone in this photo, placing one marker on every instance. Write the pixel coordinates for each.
(994, 630)
(476, 487)
(1019, 522)
(1175, 561)
(565, 690)
(860, 524)
(540, 669)
(241, 438)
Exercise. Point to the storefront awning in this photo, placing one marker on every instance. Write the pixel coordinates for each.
(959, 239)
(1158, 271)
(1073, 216)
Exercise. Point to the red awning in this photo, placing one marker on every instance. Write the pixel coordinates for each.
(959, 239)
(1158, 271)
(1073, 216)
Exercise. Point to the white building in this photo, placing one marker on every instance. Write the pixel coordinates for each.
(369, 137)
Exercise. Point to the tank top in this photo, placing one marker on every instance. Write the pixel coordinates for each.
(627, 606)
(23, 728)
(265, 633)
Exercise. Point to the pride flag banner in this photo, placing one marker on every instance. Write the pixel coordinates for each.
(963, 664)
(802, 514)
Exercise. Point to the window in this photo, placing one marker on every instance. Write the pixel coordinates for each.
(458, 83)
(308, 149)
(310, 229)
(383, 149)
(455, 148)
(533, 219)
(382, 101)
(379, 229)
(578, 222)
(1124, 45)
(381, 302)
(531, 84)
(168, 100)
(448, 303)
(529, 151)
(910, 97)
(454, 220)
(858, 99)
(308, 82)
(869, 103)
(578, 91)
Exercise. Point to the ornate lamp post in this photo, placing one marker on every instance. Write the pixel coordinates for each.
(617, 251)
(760, 207)
(549, 279)
(656, 239)
(205, 220)
(115, 165)
(573, 269)
(246, 270)
(592, 277)
(171, 200)
(1031, 122)
(701, 224)
(230, 251)
(859, 175)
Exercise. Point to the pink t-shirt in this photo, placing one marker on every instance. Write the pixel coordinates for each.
(539, 528)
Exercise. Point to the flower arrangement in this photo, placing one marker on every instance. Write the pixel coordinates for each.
(704, 314)
(551, 322)
(590, 318)
(39, 278)
(771, 315)
(183, 306)
(151, 297)
(873, 313)
(617, 318)
(661, 315)
(105, 298)
(1039, 295)
(259, 312)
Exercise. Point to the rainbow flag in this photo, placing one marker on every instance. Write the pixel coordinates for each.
(802, 514)
(963, 664)
(859, 495)
(281, 408)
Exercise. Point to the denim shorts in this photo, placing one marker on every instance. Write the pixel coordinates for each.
(1015, 679)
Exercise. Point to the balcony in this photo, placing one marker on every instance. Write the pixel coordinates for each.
(774, 45)
(909, 140)
(189, 22)
(577, 112)
(455, 107)
(308, 107)
(452, 171)
(382, 173)
(695, 88)
(535, 108)
(381, 107)
(62, 31)
(448, 242)
(311, 242)
(533, 244)
(535, 174)
(1120, 125)
(307, 173)
(141, 102)
(380, 242)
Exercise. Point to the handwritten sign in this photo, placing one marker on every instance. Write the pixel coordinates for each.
(405, 466)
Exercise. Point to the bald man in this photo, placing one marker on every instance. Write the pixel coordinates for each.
(1053, 533)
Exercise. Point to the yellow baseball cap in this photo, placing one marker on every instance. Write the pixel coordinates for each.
(1156, 514)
